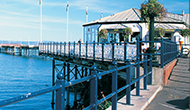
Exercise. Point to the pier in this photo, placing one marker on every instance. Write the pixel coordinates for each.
(19, 50)
(86, 69)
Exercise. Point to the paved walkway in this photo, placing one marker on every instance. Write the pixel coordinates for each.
(176, 95)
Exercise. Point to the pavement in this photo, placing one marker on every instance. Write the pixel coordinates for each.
(176, 95)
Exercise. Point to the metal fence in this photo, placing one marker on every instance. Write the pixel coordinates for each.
(165, 53)
(95, 51)
(60, 85)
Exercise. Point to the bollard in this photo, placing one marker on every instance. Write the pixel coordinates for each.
(145, 72)
(128, 81)
(114, 86)
(60, 93)
(93, 88)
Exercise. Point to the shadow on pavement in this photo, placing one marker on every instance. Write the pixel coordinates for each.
(180, 103)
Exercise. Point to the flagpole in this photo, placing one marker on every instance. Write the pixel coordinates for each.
(86, 13)
(67, 9)
(40, 21)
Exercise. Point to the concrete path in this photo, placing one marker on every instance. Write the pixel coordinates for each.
(176, 95)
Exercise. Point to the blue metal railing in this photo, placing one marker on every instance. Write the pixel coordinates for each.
(167, 52)
(60, 85)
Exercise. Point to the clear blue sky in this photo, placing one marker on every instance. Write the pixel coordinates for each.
(20, 19)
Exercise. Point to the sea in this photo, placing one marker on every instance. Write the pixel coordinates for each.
(23, 75)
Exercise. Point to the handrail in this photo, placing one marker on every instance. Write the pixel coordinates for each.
(60, 85)
(27, 96)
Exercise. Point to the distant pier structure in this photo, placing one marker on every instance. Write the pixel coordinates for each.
(19, 50)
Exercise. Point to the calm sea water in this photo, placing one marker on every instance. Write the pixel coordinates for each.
(21, 75)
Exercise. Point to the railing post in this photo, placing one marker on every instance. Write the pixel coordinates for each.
(53, 47)
(64, 48)
(94, 50)
(86, 49)
(75, 86)
(60, 48)
(103, 51)
(45, 48)
(74, 49)
(162, 53)
(138, 77)
(150, 75)
(79, 49)
(128, 81)
(125, 50)
(138, 55)
(57, 48)
(145, 72)
(113, 47)
(68, 88)
(69, 48)
(49, 48)
(114, 86)
(93, 88)
(60, 93)
(53, 83)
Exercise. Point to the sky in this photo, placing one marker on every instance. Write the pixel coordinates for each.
(20, 19)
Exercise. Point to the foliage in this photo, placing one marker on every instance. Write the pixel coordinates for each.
(103, 33)
(185, 32)
(126, 32)
(152, 9)
(104, 105)
(159, 32)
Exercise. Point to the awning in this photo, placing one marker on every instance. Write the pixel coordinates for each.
(134, 26)
(170, 27)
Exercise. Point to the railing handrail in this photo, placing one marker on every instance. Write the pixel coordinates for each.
(27, 96)
(61, 85)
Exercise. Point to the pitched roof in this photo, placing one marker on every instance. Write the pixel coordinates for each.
(124, 16)
(134, 16)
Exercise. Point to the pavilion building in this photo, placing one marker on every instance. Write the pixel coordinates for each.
(132, 18)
